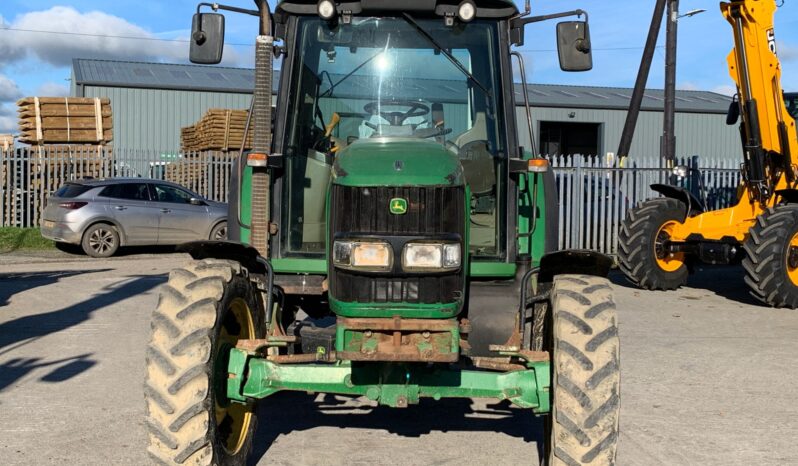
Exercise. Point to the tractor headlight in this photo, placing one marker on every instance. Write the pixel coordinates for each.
(374, 256)
(431, 257)
(466, 11)
(326, 9)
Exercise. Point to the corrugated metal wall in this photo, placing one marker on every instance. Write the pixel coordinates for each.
(696, 133)
(150, 119)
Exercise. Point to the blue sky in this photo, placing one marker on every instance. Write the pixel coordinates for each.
(38, 63)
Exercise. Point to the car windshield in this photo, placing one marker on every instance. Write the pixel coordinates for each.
(392, 78)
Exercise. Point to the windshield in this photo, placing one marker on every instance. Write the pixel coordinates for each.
(387, 78)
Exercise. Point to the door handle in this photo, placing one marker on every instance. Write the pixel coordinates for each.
(120, 207)
(165, 211)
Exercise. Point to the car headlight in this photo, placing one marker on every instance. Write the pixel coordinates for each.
(375, 256)
(431, 256)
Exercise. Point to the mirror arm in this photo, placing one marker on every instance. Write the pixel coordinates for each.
(217, 7)
(537, 19)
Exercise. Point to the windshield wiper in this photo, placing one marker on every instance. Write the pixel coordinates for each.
(448, 54)
(329, 91)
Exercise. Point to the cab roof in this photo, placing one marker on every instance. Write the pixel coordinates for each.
(486, 9)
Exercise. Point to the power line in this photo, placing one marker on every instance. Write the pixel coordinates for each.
(108, 36)
(604, 49)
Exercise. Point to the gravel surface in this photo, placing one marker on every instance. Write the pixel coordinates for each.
(707, 379)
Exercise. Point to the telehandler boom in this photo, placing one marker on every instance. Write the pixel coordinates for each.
(661, 238)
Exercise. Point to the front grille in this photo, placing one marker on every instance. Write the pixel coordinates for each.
(432, 211)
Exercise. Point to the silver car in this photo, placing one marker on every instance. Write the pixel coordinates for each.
(102, 215)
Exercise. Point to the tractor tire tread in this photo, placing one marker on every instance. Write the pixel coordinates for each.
(177, 392)
(586, 373)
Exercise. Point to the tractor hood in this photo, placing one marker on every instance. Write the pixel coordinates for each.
(397, 162)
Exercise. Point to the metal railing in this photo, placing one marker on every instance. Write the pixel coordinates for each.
(594, 194)
(29, 175)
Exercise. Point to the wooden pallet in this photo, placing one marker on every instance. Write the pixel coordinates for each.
(65, 120)
(218, 130)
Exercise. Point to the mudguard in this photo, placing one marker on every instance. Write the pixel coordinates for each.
(228, 250)
(694, 204)
(574, 261)
(790, 196)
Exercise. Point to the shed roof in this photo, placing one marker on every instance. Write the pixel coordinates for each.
(109, 73)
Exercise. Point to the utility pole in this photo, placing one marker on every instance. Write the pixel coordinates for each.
(640, 84)
(668, 150)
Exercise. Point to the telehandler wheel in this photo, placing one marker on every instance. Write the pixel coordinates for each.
(585, 369)
(204, 309)
(771, 262)
(641, 253)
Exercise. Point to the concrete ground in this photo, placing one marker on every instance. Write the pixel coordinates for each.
(708, 378)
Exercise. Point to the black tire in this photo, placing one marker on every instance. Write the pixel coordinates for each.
(100, 240)
(199, 302)
(219, 232)
(638, 241)
(583, 427)
(768, 263)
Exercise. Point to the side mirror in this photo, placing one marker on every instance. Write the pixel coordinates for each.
(207, 38)
(195, 201)
(733, 116)
(573, 45)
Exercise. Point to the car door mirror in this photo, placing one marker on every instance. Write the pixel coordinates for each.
(573, 46)
(196, 201)
(207, 38)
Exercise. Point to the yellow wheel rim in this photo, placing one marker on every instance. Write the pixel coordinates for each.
(669, 262)
(792, 265)
(232, 419)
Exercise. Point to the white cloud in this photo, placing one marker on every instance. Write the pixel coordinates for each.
(92, 34)
(688, 86)
(9, 91)
(725, 89)
(51, 89)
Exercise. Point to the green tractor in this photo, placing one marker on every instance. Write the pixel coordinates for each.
(388, 237)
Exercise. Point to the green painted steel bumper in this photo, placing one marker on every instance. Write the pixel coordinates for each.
(390, 384)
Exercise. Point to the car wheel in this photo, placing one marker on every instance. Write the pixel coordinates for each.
(219, 232)
(100, 240)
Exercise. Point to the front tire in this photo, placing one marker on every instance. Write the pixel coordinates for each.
(771, 262)
(203, 310)
(583, 426)
(641, 254)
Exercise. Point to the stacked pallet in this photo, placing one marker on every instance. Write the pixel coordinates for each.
(65, 120)
(6, 142)
(218, 130)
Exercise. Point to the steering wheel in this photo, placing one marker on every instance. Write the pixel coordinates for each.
(414, 109)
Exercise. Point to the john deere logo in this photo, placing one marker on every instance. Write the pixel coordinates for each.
(398, 206)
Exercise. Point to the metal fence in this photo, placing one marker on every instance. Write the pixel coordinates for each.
(594, 194)
(29, 175)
